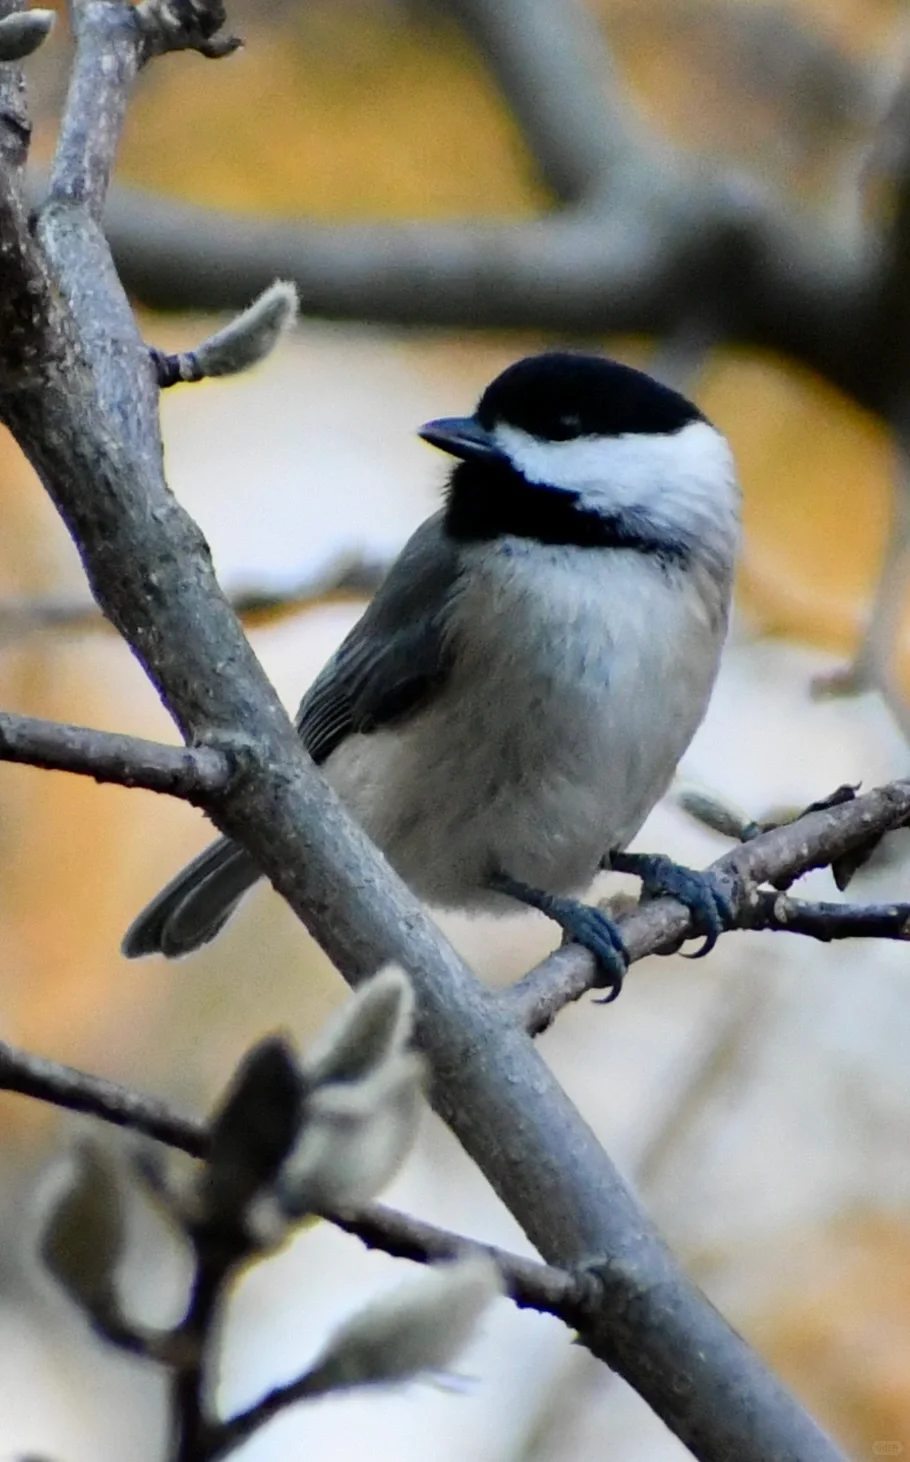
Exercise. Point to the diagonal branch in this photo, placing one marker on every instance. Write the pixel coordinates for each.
(110, 43)
(569, 1296)
(199, 773)
(778, 856)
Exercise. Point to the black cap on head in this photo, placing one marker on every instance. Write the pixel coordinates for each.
(561, 395)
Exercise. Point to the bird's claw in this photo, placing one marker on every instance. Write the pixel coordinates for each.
(583, 924)
(701, 893)
(597, 933)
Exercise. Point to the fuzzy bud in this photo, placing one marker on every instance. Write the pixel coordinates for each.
(355, 1138)
(372, 1027)
(22, 33)
(419, 1327)
(83, 1238)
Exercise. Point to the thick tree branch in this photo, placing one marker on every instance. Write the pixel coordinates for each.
(669, 240)
(192, 772)
(778, 856)
(89, 425)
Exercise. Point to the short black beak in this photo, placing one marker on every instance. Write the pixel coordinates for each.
(462, 436)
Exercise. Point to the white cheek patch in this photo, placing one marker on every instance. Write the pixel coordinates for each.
(635, 470)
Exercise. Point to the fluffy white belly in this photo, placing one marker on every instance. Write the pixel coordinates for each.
(550, 743)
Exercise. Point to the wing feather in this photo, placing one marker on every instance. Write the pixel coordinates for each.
(395, 657)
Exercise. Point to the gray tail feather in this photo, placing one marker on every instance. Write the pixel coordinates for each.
(195, 905)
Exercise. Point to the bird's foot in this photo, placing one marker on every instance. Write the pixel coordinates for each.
(582, 923)
(701, 893)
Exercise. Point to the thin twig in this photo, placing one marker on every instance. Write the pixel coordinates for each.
(78, 1091)
(766, 909)
(780, 855)
(529, 1283)
(193, 1429)
(570, 1297)
(871, 667)
(191, 772)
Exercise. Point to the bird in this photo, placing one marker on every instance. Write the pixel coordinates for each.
(517, 694)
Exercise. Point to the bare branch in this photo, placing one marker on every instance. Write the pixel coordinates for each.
(197, 773)
(529, 1283)
(109, 55)
(767, 909)
(551, 63)
(349, 577)
(677, 241)
(641, 269)
(77, 1091)
(872, 665)
(778, 856)
(191, 772)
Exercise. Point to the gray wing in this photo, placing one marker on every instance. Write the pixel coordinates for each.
(395, 657)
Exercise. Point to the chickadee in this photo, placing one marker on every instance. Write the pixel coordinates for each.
(517, 695)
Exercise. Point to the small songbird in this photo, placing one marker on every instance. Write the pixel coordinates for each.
(516, 697)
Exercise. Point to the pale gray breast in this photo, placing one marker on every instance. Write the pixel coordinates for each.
(569, 683)
(605, 675)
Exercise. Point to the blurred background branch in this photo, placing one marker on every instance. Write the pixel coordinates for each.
(351, 577)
